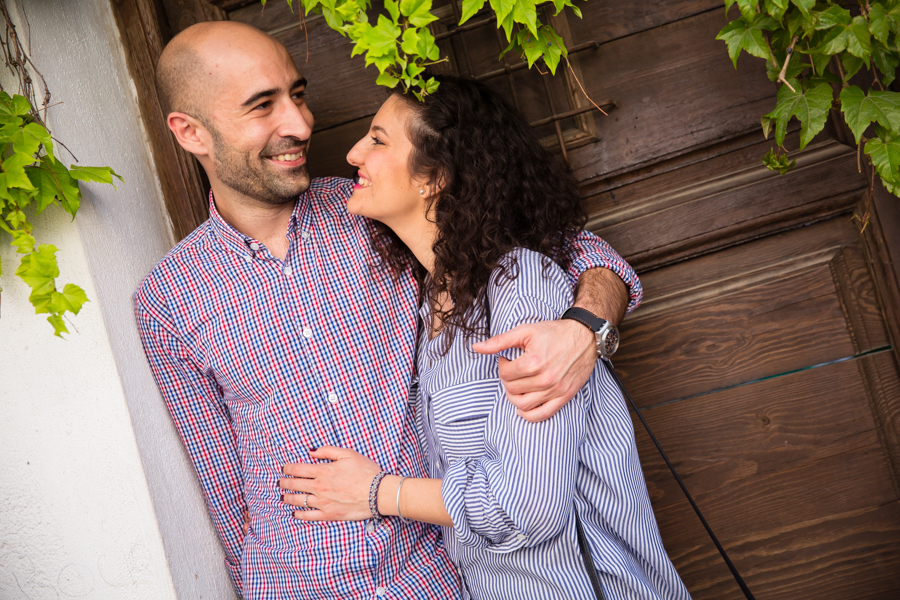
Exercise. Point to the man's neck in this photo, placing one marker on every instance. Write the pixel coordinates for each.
(267, 223)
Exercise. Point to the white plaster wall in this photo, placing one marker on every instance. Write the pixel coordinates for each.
(75, 513)
(113, 476)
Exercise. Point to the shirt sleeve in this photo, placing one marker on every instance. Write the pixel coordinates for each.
(589, 252)
(203, 421)
(520, 493)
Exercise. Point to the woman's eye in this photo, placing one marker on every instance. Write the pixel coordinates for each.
(376, 141)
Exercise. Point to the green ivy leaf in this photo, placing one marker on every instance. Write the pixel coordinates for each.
(38, 269)
(861, 110)
(778, 163)
(98, 174)
(884, 20)
(470, 8)
(805, 6)
(387, 80)
(417, 12)
(747, 8)
(860, 43)
(525, 12)
(833, 16)
(884, 150)
(71, 299)
(810, 107)
(23, 242)
(503, 9)
(776, 8)
(851, 64)
(553, 47)
(885, 61)
(742, 35)
(59, 327)
(393, 9)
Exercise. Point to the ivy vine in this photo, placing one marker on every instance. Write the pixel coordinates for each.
(814, 50)
(31, 175)
(401, 46)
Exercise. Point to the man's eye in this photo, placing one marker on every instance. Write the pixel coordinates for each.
(298, 95)
(262, 105)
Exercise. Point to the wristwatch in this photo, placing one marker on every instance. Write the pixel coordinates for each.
(606, 334)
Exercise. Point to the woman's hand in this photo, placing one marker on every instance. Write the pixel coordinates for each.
(338, 491)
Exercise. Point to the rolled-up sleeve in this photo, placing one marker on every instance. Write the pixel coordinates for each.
(590, 252)
(202, 419)
(520, 493)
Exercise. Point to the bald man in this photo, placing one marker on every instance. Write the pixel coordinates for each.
(269, 334)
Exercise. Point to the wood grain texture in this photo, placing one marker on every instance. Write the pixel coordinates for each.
(734, 207)
(184, 13)
(179, 173)
(791, 476)
(753, 311)
(685, 95)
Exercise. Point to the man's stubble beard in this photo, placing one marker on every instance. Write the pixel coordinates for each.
(237, 171)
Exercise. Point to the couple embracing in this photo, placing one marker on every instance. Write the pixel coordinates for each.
(372, 378)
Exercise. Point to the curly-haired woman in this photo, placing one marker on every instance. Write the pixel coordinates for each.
(466, 195)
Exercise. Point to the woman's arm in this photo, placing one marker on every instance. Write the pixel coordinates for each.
(339, 490)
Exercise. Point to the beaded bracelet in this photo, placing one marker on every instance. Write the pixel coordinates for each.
(373, 495)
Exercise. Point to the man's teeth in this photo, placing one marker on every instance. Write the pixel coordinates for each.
(287, 157)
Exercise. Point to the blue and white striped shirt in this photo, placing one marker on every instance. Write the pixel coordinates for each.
(512, 487)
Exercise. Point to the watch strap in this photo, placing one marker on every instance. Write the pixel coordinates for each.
(586, 318)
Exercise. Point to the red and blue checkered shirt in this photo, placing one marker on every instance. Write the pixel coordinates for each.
(259, 360)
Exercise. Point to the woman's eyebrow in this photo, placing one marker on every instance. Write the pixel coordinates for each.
(380, 129)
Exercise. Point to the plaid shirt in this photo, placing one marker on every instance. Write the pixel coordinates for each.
(260, 359)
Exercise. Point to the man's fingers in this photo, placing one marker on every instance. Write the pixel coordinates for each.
(514, 338)
(542, 412)
(529, 401)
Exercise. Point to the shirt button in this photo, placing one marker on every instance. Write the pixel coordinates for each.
(380, 592)
(332, 398)
(370, 527)
(521, 537)
(288, 270)
(248, 258)
(307, 332)
(254, 246)
(304, 235)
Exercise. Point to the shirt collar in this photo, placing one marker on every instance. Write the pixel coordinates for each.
(237, 241)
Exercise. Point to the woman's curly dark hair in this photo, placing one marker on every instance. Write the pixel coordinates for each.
(499, 189)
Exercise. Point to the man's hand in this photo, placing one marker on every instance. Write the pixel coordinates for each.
(557, 361)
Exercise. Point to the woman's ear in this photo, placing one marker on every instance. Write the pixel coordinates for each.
(190, 133)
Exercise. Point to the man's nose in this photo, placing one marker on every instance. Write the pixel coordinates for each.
(295, 122)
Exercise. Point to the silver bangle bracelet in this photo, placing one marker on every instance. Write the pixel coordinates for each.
(399, 514)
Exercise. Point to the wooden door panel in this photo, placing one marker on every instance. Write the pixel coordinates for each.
(737, 206)
(785, 470)
(750, 312)
(686, 94)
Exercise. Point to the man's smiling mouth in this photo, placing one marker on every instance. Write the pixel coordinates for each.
(287, 157)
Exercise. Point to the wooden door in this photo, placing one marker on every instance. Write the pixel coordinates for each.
(765, 353)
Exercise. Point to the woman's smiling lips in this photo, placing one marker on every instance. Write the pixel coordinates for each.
(361, 182)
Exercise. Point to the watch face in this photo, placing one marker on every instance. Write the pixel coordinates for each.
(609, 341)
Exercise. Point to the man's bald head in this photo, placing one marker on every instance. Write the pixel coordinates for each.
(183, 71)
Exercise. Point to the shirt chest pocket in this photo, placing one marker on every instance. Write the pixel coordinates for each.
(460, 413)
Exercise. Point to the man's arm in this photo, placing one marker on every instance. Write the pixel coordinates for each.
(559, 356)
(202, 421)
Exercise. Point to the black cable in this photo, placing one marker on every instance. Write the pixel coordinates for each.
(731, 567)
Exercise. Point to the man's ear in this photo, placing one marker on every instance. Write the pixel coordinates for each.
(190, 133)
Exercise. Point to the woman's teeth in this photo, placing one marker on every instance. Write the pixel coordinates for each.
(287, 157)
(364, 182)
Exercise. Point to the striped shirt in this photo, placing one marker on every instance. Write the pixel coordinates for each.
(512, 487)
(260, 359)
